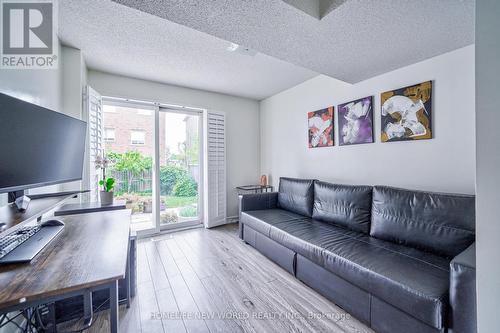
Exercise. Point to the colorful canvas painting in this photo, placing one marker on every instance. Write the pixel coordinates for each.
(407, 113)
(320, 124)
(356, 121)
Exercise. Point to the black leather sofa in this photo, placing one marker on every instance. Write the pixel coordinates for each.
(398, 260)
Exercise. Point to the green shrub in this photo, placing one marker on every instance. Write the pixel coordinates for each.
(186, 186)
(169, 176)
(132, 163)
(189, 211)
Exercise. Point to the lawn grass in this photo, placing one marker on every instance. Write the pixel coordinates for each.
(173, 202)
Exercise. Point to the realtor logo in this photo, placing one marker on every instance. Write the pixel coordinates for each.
(28, 34)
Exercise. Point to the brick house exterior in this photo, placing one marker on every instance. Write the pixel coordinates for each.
(121, 122)
(124, 122)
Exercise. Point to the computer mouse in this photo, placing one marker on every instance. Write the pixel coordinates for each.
(52, 223)
(2, 226)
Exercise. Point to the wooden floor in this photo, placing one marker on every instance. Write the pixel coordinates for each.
(203, 280)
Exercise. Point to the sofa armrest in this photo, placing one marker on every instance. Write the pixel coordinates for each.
(462, 316)
(256, 201)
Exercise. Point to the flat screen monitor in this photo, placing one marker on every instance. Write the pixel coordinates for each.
(38, 146)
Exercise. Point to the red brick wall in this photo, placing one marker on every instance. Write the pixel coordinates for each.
(124, 121)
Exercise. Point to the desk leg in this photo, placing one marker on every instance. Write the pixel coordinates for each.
(127, 280)
(88, 311)
(52, 315)
(113, 307)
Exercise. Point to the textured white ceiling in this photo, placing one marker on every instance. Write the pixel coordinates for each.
(125, 41)
(356, 40)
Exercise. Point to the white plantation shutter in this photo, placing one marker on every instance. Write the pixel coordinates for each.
(215, 180)
(96, 131)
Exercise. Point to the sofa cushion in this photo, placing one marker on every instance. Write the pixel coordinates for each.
(441, 223)
(261, 220)
(308, 237)
(411, 280)
(345, 205)
(418, 284)
(296, 195)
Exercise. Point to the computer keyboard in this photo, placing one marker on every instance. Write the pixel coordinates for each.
(9, 242)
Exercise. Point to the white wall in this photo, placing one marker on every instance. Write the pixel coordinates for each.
(445, 163)
(38, 86)
(488, 164)
(242, 116)
(74, 80)
(73, 72)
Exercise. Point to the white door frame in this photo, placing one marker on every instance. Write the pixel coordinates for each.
(157, 228)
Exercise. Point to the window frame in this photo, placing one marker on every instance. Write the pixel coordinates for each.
(105, 137)
(137, 131)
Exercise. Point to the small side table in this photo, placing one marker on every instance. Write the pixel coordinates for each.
(89, 207)
(247, 189)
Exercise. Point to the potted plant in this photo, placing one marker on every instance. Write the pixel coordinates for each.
(107, 183)
(106, 194)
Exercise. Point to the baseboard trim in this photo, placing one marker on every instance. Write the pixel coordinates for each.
(232, 219)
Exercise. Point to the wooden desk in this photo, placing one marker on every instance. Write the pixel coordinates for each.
(89, 254)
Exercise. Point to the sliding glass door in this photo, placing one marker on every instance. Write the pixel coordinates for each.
(180, 167)
(156, 155)
(129, 142)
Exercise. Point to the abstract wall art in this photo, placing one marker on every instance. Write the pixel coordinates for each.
(407, 113)
(320, 124)
(356, 121)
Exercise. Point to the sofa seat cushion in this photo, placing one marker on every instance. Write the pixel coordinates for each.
(261, 220)
(415, 284)
(303, 232)
(309, 237)
(411, 280)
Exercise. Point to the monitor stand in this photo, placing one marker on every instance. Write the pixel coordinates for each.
(20, 200)
(12, 196)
